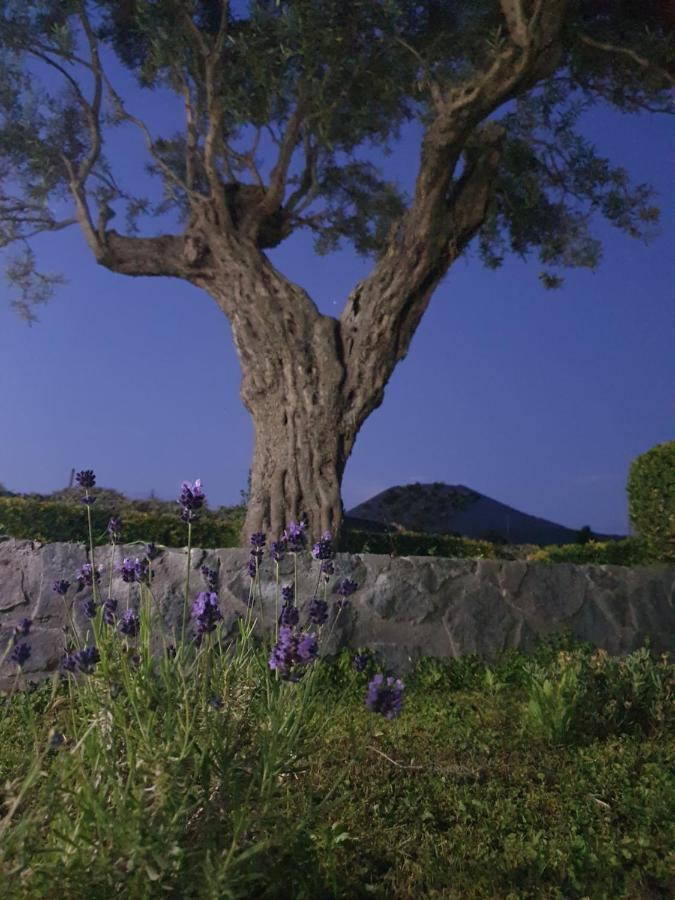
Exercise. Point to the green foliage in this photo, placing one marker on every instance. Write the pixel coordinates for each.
(415, 544)
(551, 704)
(628, 552)
(48, 521)
(295, 790)
(651, 499)
(359, 71)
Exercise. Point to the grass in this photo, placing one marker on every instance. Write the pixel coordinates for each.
(199, 772)
(485, 786)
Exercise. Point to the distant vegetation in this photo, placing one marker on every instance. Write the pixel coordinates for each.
(60, 516)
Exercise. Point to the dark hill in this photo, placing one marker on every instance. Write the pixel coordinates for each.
(455, 509)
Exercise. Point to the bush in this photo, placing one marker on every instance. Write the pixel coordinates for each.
(48, 521)
(629, 552)
(651, 499)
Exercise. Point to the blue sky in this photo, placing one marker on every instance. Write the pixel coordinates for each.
(538, 399)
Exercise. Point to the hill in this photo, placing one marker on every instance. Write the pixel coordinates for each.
(440, 508)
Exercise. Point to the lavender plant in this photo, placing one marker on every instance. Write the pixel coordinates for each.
(187, 705)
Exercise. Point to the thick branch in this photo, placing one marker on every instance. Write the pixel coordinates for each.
(383, 312)
(163, 255)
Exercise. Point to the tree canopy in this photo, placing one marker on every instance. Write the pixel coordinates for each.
(325, 86)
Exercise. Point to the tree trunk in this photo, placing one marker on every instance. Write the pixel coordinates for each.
(292, 384)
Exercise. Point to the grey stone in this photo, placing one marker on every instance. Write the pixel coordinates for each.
(405, 608)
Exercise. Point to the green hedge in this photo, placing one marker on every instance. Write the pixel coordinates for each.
(629, 552)
(48, 522)
(408, 543)
(651, 499)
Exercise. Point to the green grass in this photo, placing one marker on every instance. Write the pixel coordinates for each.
(547, 776)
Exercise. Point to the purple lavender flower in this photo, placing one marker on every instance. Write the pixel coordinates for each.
(307, 648)
(61, 587)
(191, 499)
(86, 478)
(258, 539)
(20, 653)
(22, 629)
(294, 536)
(151, 551)
(288, 593)
(69, 663)
(360, 661)
(291, 652)
(115, 529)
(290, 615)
(88, 500)
(130, 623)
(323, 549)
(89, 608)
(86, 659)
(277, 550)
(347, 587)
(318, 611)
(87, 574)
(327, 569)
(210, 577)
(133, 570)
(385, 696)
(142, 570)
(109, 610)
(252, 567)
(205, 612)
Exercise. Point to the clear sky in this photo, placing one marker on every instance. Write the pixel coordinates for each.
(537, 399)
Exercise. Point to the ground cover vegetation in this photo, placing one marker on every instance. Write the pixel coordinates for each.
(232, 769)
(282, 110)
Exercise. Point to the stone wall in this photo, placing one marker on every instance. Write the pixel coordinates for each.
(405, 607)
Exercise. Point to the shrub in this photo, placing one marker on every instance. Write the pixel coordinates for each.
(47, 521)
(629, 552)
(651, 499)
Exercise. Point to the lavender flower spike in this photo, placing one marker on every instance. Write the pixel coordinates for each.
(292, 652)
(294, 536)
(85, 659)
(22, 629)
(109, 610)
(86, 478)
(385, 696)
(323, 549)
(114, 529)
(290, 615)
(318, 611)
(206, 613)
(191, 499)
(61, 587)
(87, 574)
(20, 653)
(130, 623)
(347, 587)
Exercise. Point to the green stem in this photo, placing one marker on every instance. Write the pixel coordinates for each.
(187, 584)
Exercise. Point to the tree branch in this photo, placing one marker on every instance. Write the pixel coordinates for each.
(274, 194)
(631, 54)
(383, 312)
(155, 256)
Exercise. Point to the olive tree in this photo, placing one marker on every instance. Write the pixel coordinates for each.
(497, 88)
